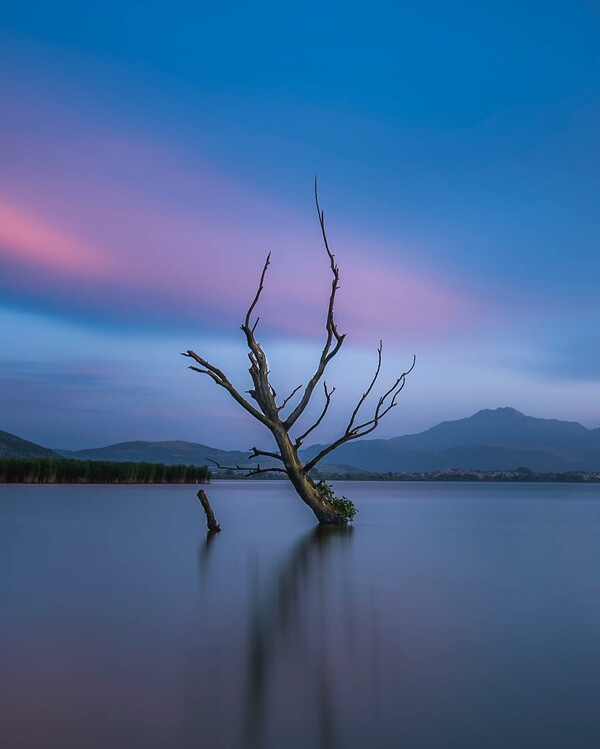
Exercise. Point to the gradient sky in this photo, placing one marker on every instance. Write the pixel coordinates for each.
(151, 155)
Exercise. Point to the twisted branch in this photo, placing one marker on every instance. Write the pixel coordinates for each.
(263, 392)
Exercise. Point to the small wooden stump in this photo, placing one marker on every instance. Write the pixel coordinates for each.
(211, 521)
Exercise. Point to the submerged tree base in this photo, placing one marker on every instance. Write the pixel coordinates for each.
(327, 508)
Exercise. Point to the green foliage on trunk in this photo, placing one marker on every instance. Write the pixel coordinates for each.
(342, 505)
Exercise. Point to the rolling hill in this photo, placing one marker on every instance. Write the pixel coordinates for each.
(498, 439)
(12, 446)
(169, 453)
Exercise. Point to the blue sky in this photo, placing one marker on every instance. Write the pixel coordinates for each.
(151, 156)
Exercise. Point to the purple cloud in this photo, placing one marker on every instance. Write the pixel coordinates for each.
(126, 228)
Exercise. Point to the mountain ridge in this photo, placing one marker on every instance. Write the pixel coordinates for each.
(12, 446)
(491, 439)
(169, 452)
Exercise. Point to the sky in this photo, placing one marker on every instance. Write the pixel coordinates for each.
(151, 155)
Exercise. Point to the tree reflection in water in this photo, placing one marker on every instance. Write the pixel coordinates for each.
(274, 672)
(293, 625)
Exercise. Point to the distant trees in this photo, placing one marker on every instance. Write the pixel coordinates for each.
(68, 471)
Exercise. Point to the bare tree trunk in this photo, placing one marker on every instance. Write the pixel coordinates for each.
(305, 487)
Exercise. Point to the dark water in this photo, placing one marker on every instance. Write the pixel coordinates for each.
(452, 615)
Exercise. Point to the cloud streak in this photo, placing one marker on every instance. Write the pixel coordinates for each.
(141, 236)
(36, 243)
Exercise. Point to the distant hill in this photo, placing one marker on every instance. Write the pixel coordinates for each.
(169, 453)
(504, 427)
(12, 446)
(500, 439)
(188, 453)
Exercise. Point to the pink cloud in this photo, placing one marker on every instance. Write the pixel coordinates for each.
(400, 299)
(35, 242)
(159, 237)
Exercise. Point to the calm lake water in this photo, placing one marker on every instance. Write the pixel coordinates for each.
(452, 615)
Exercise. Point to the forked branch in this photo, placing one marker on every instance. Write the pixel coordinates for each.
(263, 392)
(384, 405)
(328, 394)
(367, 392)
(222, 380)
(334, 339)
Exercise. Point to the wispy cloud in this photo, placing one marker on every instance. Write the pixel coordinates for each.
(158, 240)
(35, 243)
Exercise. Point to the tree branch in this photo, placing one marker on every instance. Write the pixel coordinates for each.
(365, 395)
(289, 398)
(328, 394)
(384, 405)
(221, 379)
(257, 296)
(332, 332)
(251, 470)
(258, 470)
(263, 392)
(256, 453)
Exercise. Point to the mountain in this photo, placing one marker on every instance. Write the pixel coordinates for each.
(169, 453)
(500, 439)
(502, 427)
(12, 446)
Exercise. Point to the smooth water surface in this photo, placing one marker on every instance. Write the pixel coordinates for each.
(452, 615)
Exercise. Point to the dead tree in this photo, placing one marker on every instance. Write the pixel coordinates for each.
(327, 508)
